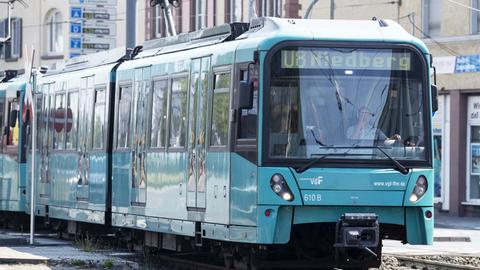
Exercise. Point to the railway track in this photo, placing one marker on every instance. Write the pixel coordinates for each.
(417, 263)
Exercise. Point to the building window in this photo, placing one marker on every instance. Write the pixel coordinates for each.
(159, 22)
(12, 49)
(475, 17)
(432, 17)
(271, 8)
(234, 10)
(54, 27)
(200, 14)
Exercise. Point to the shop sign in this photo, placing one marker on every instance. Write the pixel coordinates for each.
(474, 108)
(467, 63)
(444, 65)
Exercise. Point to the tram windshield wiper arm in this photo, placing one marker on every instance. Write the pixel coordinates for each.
(401, 168)
(318, 159)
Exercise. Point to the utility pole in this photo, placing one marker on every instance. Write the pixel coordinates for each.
(332, 9)
(131, 23)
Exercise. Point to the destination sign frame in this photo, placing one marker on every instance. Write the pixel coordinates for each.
(324, 58)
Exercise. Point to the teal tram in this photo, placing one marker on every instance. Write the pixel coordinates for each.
(13, 146)
(280, 141)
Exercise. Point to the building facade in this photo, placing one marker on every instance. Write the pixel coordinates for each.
(60, 29)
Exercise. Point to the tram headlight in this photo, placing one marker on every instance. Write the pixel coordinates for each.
(420, 188)
(280, 187)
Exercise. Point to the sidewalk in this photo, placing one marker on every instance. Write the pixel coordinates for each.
(452, 236)
(453, 222)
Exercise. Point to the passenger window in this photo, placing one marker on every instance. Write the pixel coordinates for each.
(178, 113)
(40, 120)
(124, 112)
(248, 118)
(71, 120)
(220, 110)
(2, 113)
(99, 119)
(58, 118)
(159, 113)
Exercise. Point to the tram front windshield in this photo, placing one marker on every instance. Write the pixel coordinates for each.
(345, 103)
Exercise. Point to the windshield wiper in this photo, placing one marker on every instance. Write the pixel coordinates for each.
(402, 169)
(321, 157)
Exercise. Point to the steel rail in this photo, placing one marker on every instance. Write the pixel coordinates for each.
(429, 264)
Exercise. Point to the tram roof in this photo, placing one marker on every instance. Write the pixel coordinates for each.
(262, 31)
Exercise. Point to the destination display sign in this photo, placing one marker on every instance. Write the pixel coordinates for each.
(320, 58)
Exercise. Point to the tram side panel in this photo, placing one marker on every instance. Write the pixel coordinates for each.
(12, 196)
(71, 158)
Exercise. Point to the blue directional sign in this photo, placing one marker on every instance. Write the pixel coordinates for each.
(467, 63)
(76, 13)
(75, 43)
(76, 28)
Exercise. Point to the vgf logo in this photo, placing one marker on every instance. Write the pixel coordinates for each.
(316, 181)
(313, 180)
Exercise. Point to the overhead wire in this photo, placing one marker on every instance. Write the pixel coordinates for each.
(439, 44)
(463, 5)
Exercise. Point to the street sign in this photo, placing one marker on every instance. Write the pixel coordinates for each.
(76, 28)
(93, 27)
(468, 63)
(75, 43)
(76, 13)
(94, 2)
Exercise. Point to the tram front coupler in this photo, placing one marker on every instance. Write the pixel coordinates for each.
(357, 237)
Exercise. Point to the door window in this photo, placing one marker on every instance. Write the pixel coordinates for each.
(99, 120)
(124, 116)
(220, 110)
(159, 113)
(71, 120)
(178, 113)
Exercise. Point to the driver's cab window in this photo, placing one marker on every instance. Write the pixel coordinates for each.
(2, 117)
(11, 123)
(248, 117)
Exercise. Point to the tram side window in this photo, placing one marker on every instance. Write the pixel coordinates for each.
(58, 118)
(99, 119)
(159, 113)
(40, 120)
(248, 117)
(220, 110)
(71, 120)
(2, 113)
(10, 135)
(124, 112)
(178, 113)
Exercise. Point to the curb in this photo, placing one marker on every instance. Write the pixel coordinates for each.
(451, 239)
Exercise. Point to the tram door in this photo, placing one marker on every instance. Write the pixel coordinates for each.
(197, 122)
(45, 143)
(142, 85)
(85, 132)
